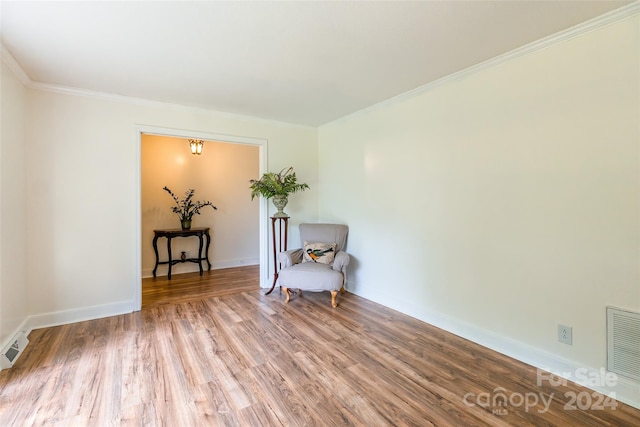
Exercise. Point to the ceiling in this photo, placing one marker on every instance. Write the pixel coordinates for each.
(306, 62)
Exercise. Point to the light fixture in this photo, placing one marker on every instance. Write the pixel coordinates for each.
(196, 146)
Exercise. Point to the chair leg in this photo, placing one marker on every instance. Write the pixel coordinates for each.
(333, 298)
(286, 291)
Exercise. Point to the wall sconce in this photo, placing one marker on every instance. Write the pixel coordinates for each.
(196, 146)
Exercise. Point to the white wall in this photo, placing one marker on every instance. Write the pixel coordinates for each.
(13, 286)
(82, 184)
(503, 202)
(221, 175)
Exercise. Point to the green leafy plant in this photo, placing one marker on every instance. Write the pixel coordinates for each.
(273, 184)
(186, 208)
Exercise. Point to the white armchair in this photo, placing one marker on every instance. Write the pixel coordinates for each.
(321, 262)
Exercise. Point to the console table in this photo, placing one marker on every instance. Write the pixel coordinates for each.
(202, 233)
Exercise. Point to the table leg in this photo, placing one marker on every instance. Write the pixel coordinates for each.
(169, 253)
(200, 253)
(155, 249)
(275, 279)
(206, 251)
(275, 261)
(286, 232)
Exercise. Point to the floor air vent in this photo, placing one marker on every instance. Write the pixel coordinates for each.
(623, 342)
(11, 353)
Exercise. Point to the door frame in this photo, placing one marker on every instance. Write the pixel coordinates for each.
(192, 134)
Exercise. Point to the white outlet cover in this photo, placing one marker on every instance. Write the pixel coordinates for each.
(565, 334)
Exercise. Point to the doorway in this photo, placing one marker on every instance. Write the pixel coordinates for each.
(220, 174)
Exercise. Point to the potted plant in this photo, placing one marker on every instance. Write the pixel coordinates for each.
(277, 186)
(186, 208)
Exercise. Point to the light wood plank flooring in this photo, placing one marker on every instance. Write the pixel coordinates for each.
(246, 359)
(192, 286)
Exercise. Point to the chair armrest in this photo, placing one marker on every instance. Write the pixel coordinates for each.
(290, 257)
(341, 261)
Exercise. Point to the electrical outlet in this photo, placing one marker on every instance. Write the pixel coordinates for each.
(565, 334)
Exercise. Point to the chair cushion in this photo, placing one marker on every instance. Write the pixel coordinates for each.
(323, 253)
(311, 276)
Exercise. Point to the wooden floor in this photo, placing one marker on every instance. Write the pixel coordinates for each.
(246, 359)
(192, 286)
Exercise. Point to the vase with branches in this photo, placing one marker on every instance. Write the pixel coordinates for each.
(186, 208)
(277, 186)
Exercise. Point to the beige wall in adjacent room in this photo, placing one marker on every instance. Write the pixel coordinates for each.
(221, 175)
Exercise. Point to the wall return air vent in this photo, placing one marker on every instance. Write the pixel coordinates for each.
(623, 342)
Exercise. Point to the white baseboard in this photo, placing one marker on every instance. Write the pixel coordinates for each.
(235, 263)
(193, 267)
(57, 318)
(64, 317)
(625, 390)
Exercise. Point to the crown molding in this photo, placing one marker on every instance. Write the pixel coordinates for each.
(24, 78)
(10, 61)
(68, 90)
(554, 39)
(543, 43)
